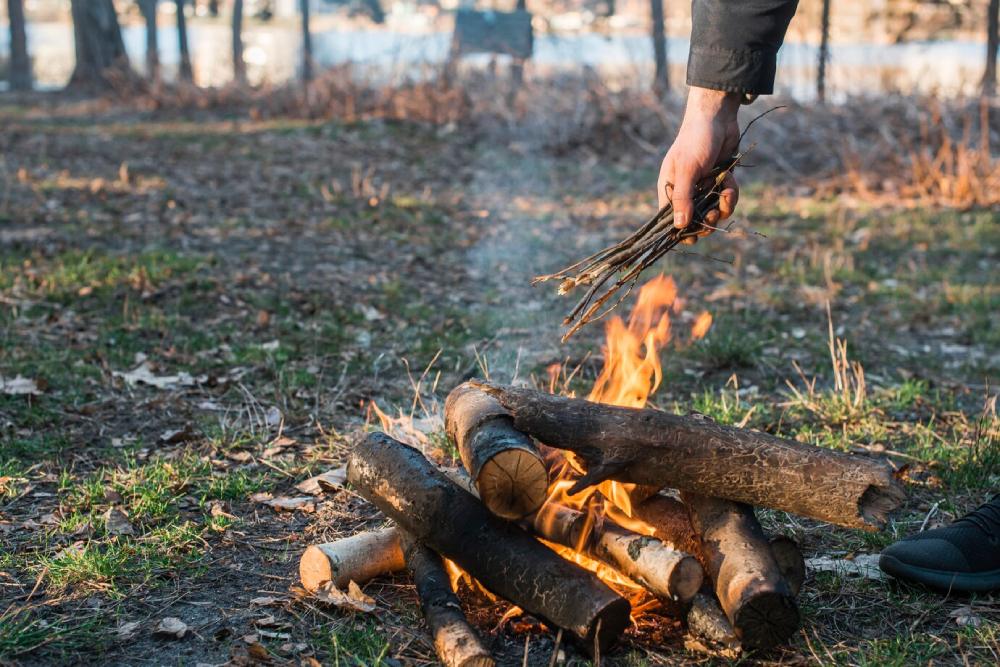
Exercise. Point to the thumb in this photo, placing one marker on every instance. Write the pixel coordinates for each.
(682, 199)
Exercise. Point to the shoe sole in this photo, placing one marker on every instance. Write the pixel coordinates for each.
(959, 582)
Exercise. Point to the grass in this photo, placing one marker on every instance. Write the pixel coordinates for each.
(285, 299)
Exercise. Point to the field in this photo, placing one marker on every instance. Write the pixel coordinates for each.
(202, 306)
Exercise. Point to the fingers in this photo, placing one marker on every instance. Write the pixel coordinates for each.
(682, 198)
(729, 196)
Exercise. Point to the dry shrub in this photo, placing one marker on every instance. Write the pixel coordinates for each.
(905, 149)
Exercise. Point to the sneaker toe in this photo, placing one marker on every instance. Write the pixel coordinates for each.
(927, 553)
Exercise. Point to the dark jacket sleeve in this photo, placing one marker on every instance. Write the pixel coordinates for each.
(734, 43)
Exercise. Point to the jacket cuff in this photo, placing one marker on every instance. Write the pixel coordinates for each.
(750, 72)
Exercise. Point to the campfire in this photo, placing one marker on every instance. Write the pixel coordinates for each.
(588, 513)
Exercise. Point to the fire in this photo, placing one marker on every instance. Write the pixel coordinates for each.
(632, 372)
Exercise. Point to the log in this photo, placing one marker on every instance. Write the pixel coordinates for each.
(673, 575)
(357, 558)
(456, 643)
(669, 517)
(707, 621)
(750, 584)
(500, 555)
(694, 453)
(504, 463)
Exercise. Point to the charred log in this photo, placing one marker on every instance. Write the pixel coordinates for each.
(504, 463)
(501, 556)
(456, 643)
(696, 454)
(358, 558)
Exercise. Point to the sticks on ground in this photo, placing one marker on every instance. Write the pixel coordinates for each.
(696, 454)
(456, 643)
(501, 556)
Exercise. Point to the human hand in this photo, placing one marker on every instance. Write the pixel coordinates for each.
(709, 133)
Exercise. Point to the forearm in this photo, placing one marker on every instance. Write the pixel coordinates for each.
(734, 44)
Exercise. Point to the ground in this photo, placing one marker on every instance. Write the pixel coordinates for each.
(271, 278)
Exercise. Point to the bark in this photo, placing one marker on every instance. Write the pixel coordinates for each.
(148, 9)
(307, 49)
(824, 51)
(504, 463)
(184, 72)
(661, 82)
(358, 558)
(239, 65)
(98, 43)
(501, 556)
(20, 64)
(708, 622)
(455, 641)
(665, 572)
(694, 453)
(992, 42)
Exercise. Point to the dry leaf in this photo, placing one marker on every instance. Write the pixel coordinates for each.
(116, 522)
(126, 631)
(354, 598)
(171, 627)
(284, 504)
(329, 481)
(966, 616)
(264, 601)
(143, 374)
(19, 386)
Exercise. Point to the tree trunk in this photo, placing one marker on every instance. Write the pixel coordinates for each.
(693, 453)
(99, 45)
(184, 71)
(307, 48)
(503, 462)
(357, 558)
(992, 42)
(239, 65)
(661, 81)
(20, 65)
(501, 556)
(824, 52)
(456, 643)
(148, 8)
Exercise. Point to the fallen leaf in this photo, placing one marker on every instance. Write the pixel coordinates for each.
(171, 627)
(116, 522)
(354, 598)
(240, 457)
(273, 417)
(19, 386)
(258, 653)
(290, 647)
(126, 631)
(143, 374)
(861, 565)
(264, 601)
(177, 435)
(283, 504)
(261, 497)
(329, 482)
(966, 616)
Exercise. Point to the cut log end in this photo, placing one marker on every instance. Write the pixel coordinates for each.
(513, 484)
(314, 568)
(358, 558)
(878, 501)
(610, 622)
(687, 578)
(766, 620)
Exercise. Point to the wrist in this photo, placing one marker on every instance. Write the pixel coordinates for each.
(716, 104)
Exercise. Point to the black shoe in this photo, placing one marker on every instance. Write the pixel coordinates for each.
(963, 557)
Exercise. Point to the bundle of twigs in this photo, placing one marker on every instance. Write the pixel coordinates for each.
(628, 258)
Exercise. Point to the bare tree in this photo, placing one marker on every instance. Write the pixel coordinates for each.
(307, 48)
(824, 51)
(185, 73)
(20, 65)
(148, 9)
(661, 82)
(99, 45)
(239, 66)
(992, 41)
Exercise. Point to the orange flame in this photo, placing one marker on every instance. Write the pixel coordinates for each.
(701, 325)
